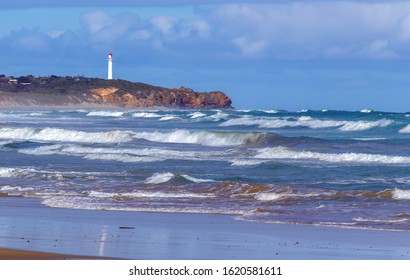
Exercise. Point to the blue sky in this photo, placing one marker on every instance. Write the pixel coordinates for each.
(264, 54)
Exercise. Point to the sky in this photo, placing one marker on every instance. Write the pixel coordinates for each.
(291, 55)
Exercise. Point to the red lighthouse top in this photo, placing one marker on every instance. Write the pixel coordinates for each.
(110, 54)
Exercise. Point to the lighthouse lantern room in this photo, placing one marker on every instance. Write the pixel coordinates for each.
(109, 66)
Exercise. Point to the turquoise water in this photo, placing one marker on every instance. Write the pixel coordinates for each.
(335, 168)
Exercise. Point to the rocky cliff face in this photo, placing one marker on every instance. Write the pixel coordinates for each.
(176, 98)
(80, 91)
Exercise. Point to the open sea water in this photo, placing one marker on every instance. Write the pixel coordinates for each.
(333, 168)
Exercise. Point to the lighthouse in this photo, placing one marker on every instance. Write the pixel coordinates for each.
(109, 66)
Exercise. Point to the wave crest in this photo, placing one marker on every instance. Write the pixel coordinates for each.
(64, 135)
(306, 121)
(285, 153)
(206, 138)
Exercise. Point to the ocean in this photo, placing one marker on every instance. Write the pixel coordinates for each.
(327, 168)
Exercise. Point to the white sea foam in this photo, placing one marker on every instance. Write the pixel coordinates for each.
(64, 135)
(366, 111)
(105, 114)
(159, 178)
(121, 158)
(146, 115)
(268, 196)
(6, 172)
(364, 125)
(369, 139)
(306, 121)
(246, 162)
(36, 114)
(122, 155)
(219, 116)
(206, 138)
(401, 194)
(372, 220)
(196, 180)
(270, 111)
(168, 118)
(196, 115)
(143, 194)
(285, 153)
(405, 129)
(118, 154)
(16, 189)
(88, 203)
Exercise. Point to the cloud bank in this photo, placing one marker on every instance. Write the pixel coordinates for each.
(282, 31)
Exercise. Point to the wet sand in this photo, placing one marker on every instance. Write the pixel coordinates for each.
(25, 224)
(10, 254)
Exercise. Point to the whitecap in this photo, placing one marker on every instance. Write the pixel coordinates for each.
(196, 180)
(196, 115)
(401, 194)
(270, 111)
(117, 154)
(7, 172)
(206, 138)
(246, 162)
(16, 189)
(144, 194)
(145, 115)
(159, 178)
(366, 111)
(405, 129)
(306, 121)
(64, 135)
(121, 158)
(364, 125)
(268, 196)
(285, 153)
(168, 118)
(105, 114)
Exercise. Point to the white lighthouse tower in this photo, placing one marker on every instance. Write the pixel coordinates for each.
(109, 66)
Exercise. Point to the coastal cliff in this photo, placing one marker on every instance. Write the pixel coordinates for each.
(91, 92)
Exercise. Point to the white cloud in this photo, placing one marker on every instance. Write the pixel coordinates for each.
(250, 47)
(165, 24)
(95, 21)
(293, 30)
(317, 29)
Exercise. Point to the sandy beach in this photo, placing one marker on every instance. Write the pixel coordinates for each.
(27, 225)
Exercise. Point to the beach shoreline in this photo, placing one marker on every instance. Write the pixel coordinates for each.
(28, 225)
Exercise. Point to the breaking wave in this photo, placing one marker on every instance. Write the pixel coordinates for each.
(285, 153)
(206, 138)
(268, 196)
(64, 135)
(159, 178)
(246, 162)
(145, 115)
(306, 121)
(105, 114)
(118, 154)
(401, 194)
(6, 172)
(196, 115)
(143, 194)
(405, 129)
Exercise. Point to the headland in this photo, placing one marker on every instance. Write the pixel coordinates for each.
(83, 92)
